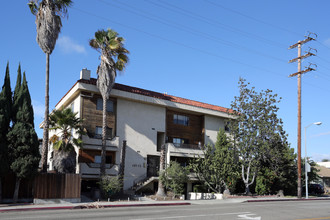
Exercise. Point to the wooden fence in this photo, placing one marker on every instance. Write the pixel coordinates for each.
(56, 186)
(8, 187)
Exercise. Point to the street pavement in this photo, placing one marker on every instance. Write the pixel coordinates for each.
(143, 201)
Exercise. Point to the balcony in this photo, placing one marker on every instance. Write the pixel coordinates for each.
(96, 143)
(92, 170)
(183, 150)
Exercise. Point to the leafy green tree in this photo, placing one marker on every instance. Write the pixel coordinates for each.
(174, 177)
(217, 168)
(110, 185)
(113, 58)
(277, 170)
(48, 22)
(67, 123)
(5, 116)
(23, 140)
(255, 129)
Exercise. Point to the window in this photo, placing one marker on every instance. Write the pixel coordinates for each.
(98, 132)
(97, 159)
(99, 105)
(108, 159)
(180, 119)
(179, 141)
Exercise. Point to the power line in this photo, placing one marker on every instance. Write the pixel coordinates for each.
(187, 46)
(187, 29)
(181, 11)
(177, 43)
(326, 46)
(252, 18)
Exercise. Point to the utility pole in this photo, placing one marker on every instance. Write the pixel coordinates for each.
(298, 74)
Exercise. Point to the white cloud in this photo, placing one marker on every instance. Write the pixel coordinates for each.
(321, 134)
(38, 109)
(67, 45)
(319, 157)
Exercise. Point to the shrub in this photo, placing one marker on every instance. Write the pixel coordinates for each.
(110, 185)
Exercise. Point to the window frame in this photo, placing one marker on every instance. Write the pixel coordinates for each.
(181, 119)
(99, 105)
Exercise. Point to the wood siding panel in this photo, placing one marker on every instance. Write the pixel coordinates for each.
(193, 132)
(87, 156)
(93, 117)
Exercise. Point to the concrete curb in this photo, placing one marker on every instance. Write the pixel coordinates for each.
(286, 200)
(91, 207)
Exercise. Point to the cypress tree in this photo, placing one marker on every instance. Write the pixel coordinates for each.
(24, 146)
(16, 92)
(5, 113)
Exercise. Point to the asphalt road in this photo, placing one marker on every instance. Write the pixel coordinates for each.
(307, 210)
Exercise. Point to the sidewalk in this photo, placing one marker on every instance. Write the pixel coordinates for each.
(144, 202)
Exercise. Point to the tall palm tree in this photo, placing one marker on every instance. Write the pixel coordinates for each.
(48, 21)
(113, 57)
(66, 122)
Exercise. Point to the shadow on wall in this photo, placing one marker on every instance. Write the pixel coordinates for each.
(135, 167)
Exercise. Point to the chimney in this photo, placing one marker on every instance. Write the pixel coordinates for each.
(85, 74)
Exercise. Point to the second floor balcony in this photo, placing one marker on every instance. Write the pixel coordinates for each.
(94, 143)
(184, 150)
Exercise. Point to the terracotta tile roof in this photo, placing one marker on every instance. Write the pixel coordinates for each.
(161, 96)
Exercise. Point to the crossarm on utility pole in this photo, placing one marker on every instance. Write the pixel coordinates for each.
(302, 72)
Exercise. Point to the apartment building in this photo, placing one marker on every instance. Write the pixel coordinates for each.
(146, 120)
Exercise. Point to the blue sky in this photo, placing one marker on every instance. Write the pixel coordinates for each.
(193, 49)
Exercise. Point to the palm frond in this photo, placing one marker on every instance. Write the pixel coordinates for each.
(111, 34)
(114, 44)
(61, 7)
(123, 58)
(112, 48)
(77, 142)
(33, 7)
(94, 44)
(59, 145)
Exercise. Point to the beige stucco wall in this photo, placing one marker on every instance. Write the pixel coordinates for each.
(212, 125)
(138, 124)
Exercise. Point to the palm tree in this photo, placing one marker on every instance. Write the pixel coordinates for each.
(48, 21)
(113, 57)
(66, 122)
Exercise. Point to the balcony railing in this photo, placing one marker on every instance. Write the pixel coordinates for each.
(189, 146)
(93, 169)
(96, 143)
(185, 150)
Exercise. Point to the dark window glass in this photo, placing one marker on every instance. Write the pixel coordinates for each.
(108, 159)
(180, 119)
(99, 105)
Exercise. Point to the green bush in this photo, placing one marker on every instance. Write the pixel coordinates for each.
(174, 177)
(110, 185)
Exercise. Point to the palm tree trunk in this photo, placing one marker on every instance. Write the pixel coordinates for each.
(46, 120)
(104, 133)
(15, 198)
(122, 166)
(161, 188)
